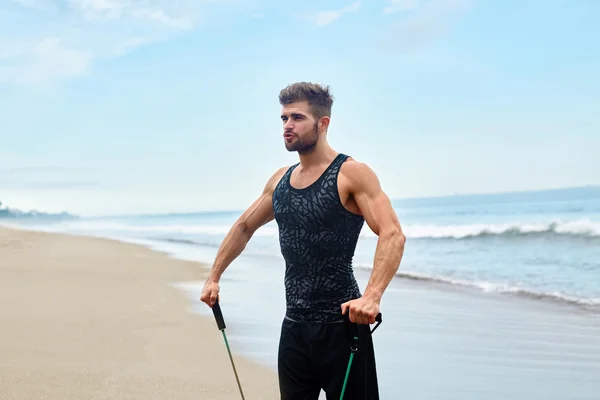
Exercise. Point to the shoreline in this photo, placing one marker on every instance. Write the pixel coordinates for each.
(431, 331)
(451, 285)
(97, 318)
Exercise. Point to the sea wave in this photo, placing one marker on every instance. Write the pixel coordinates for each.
(582, 228)
(179, 234)
(578, 228)
(184, 241)
(486, 286)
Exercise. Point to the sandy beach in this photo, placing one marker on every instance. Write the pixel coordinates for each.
(87, 318)
(93, 318)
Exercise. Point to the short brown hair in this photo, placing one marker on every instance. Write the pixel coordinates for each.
(319, 97)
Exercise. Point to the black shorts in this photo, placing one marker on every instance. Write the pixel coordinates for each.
(315, 356)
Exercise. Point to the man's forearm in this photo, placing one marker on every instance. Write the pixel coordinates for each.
(388, 255)
(232, 246)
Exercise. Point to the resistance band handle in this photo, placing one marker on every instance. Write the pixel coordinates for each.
(378, 320)
(352, 331)
(347, 317)
(216, 309)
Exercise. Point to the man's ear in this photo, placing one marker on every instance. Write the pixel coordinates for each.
(324, 123)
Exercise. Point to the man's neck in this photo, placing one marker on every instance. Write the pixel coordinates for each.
(321, 154)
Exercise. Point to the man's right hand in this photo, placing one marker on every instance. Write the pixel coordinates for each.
(210, 292)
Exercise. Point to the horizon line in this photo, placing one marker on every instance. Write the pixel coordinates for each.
(394, 199)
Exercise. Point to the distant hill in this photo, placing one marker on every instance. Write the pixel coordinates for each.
(12, 213)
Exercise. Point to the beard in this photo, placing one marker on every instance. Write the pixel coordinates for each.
(306, 144)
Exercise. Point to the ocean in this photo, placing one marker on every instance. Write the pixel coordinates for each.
(497, 296)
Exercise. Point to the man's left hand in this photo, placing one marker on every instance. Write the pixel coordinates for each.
(361, 310)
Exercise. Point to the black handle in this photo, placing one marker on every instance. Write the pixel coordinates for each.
(352, 332)
(378, 320)
(218, 315)
(347, 317)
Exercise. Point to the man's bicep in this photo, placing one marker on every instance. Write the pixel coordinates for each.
(373, 202)
(261, 210)
(258, 214)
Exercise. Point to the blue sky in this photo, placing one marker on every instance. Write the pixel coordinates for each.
(118, 106)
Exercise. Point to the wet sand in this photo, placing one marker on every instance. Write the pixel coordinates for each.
(89, 318)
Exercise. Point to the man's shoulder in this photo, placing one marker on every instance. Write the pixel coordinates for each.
(278, 174)
(358, 174)
(276, 177)
(355, 169)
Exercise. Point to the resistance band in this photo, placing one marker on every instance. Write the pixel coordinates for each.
(352, 335)
(221, 325)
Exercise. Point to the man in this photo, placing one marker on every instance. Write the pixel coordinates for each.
(320, 205)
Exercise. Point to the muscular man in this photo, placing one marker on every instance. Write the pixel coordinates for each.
(320, 205)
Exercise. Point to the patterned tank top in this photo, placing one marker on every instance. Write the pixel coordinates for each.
(318, 237)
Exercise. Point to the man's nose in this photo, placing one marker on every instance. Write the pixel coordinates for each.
(289, 125)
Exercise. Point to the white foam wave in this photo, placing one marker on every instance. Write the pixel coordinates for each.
(486, 286)
(581, 227)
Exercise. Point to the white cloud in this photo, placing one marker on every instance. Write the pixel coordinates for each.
(64, 37)
(428, 20)
(131, 43)
(38, 61)
(401, 5)
(35, 4)
(151, 11)
(326, 17)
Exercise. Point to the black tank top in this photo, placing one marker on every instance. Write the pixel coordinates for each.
(318, 237)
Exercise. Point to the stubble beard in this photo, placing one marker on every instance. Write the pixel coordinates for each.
(303, 146)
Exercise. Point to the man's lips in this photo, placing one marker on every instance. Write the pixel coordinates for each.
(288, 135)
